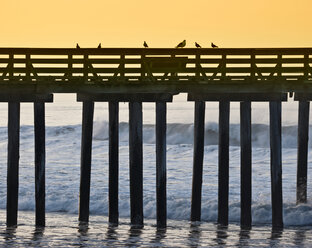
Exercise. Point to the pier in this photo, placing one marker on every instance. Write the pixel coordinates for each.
(137, 75)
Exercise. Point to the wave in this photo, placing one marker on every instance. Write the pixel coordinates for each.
(178, 133)
(178, 209)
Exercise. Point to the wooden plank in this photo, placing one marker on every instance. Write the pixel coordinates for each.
(223, 177)
(13, 162)
(39, 123)
(126, 97)
(85, 162)
(246, 189)
(276, 164)
(136, 163)
(11, 97)
(237, 96)
(198, 157)
(302, 162)
(113, 162)
(303, 96)
(161, 167)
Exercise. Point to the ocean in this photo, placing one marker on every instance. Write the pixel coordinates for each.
(63, 137)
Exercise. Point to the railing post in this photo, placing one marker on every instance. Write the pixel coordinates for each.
(39, 114)
(276, 164)
(197, 66)
(85, 68)
(253, 67)
(11, 66)
(223, 68)
(302, 162)
(122, 66)
(198, 157)
(136, 163)
(13, 162)
(223, 181)
(113, 161)
(28, 69)
(70, 66)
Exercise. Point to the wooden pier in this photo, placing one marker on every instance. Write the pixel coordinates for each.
(135, 76)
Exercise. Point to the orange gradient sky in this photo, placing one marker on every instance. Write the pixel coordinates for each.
(162, 23)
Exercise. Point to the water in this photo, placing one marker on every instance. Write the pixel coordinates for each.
(63, 134)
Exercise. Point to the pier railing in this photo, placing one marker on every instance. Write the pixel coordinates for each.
(131, 65)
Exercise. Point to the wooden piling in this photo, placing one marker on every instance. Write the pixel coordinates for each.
(136, 163)
(161, 178)
(198, 156)
(276, 164)
(85, 162)
(39, 121)
(113, 161)
(302, 162)
(245, 134)
(13, 162)
(223, 178)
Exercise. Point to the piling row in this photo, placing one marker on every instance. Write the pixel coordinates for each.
(136, 154)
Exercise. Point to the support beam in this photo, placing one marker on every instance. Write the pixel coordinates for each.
(85, 162)
(303, 138)
(198, 157)
(245, 134)
(161, 168)
(113, 162)
(136, 163)
(13, 162)
(39, 121)
(223, 196)
(276, 164)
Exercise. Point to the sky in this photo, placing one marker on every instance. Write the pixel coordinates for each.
(162, 23)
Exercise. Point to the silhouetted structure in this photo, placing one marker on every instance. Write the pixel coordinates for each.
(99, 46)
(154, 75)
(77, 45)
(213, 45)
(145, 44)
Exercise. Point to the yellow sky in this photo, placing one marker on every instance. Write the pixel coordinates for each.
(162, 23)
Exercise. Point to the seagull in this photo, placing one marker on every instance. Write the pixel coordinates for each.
(197, 45)
(181, 44)
(77, 46)
(213, 45)
(99, 46)
(145, 44)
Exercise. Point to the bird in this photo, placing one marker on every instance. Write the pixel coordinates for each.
(197, 45)
(145, 44)
(181, 44)
(77, 46)
(213, 45)
(99, 46)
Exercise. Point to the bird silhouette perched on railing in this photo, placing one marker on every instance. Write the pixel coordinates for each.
(99, 46)
(213, 45)
(145, 44)
(181, 44)
(77, 45)
(197, 45)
